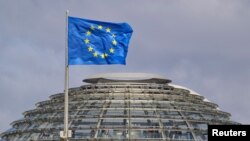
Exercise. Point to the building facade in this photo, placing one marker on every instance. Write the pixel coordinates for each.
(122, 107)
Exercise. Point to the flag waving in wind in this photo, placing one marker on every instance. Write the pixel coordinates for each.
(96, 42)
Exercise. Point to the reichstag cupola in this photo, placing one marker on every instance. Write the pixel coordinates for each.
(115, 106)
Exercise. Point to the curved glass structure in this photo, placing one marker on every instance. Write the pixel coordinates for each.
(122, 107)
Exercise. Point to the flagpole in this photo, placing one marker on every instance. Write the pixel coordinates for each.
(66, 83)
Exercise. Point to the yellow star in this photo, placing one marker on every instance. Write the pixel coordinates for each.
(108, 29)
(88, 33)
(86, 41)
(92, 27)
(99, 27)
(111, 50)
(90, 48)
(103, 56)
(113, 35)
(114, 42)
(95, 54)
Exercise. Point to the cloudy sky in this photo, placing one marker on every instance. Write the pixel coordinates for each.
(200, 44)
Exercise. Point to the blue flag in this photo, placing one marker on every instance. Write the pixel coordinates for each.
(96, 42)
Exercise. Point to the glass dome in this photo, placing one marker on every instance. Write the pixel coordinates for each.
(122, 107)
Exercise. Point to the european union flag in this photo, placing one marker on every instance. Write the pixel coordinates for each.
(96, 42)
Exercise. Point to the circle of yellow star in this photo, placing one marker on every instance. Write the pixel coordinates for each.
(99, 27)
(105, 54)
(90, 48)
(88, 33)
(95, 54)
(86, 41)
(114, 42)
(108, 29)
(111, 50)
(113, 35)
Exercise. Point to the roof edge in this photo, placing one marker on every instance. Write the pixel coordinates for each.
(126, 77)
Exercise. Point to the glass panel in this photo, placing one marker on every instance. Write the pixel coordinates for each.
(193, 115)
(79, 134)
(151, 133)
(201, 136)
(199, 126)
(179, 135)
